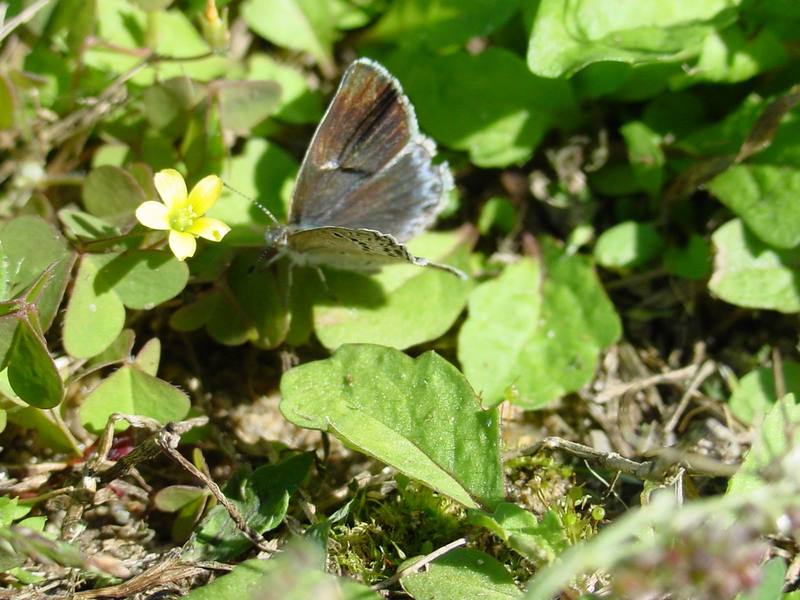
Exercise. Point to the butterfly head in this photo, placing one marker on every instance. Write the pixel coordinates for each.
(276, 237)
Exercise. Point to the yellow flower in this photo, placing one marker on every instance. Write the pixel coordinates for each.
(182, 214)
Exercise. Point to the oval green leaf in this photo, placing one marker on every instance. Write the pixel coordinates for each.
(418, 415)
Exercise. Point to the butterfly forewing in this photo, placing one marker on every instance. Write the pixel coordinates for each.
(367, 166)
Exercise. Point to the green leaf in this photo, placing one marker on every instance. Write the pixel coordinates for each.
(419, 416)
(8, 103)
(237, 584)
(756, 394)
(51, 434)
(105, 284)
(84, 226)
(119, 351)
(31, 245)
(773, 573)
(142, 279)
(749, 273)
(251, 307)
(5, 276)
(692, 261)
(497, 213)
(463, 573)
(487, 104)
(439, 23)
(778, 434)
(732, 55)
(132, 391)
(263, 500)
(111, 192)
(765, 198)
(304, 25)
(532, 338)
(538, 540)
(170, 101)
(294, 574)
(32, 373)
(244, 104)
(645, 155)
(298, 102)
(11, 511)
(174, 497)
(567, 36)
(628, 245)
(124, 24)
(93, 318)
(403, 305)
(149, 357)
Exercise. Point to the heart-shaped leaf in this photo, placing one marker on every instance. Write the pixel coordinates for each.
(418, 415)
(131, 391)
(533, 337)
(105, 284)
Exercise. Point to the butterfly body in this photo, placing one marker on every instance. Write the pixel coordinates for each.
(367, 183)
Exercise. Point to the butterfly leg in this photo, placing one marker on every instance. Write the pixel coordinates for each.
(324, 281)
(423, 262)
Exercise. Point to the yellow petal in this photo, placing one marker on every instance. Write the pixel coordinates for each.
(171, 187)
(205, 193)
(182, 245)
(152, 214)
(210, 229)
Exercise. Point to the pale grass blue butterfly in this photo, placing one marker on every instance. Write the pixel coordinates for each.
(367, 183)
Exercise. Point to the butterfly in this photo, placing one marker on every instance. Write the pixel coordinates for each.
(367, 183)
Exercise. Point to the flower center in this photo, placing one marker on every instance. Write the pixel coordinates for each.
(182, 218)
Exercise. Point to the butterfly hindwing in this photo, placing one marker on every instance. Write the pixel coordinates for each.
(362, 250)
(367, 166)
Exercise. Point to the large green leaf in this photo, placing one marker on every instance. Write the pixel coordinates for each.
(304, 25)
(488, 104)
(463, 573)
(418, 415)
(131, 391)
(535, 333)
(749, 273)
(404, 305)
(567, 36)
(765, 198)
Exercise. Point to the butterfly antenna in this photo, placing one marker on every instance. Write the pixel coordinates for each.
(263, 208)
